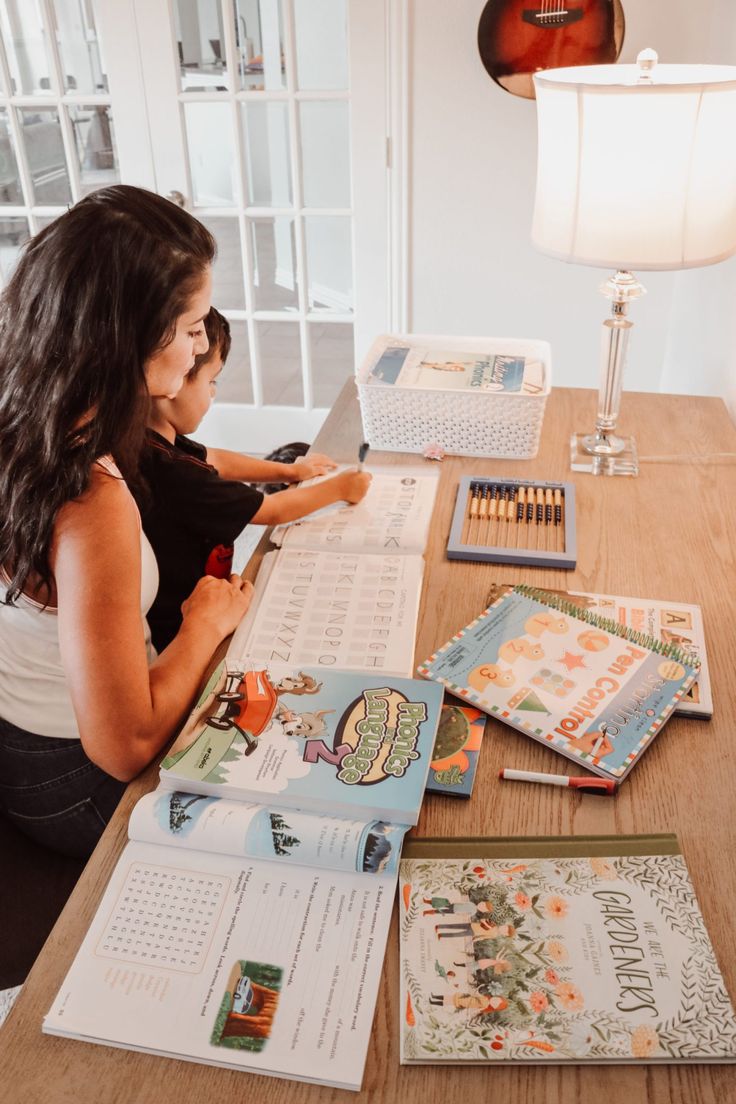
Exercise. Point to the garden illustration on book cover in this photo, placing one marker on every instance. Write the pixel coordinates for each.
(600, 959)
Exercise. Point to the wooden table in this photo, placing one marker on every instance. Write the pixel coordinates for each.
(669, 534)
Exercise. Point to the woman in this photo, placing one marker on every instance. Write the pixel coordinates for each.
(103, 312)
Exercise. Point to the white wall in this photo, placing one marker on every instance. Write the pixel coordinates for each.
(472, 162)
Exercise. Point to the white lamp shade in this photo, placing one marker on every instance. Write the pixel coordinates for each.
(636, 175)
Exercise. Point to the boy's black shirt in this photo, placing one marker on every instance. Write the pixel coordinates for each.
(191, 517)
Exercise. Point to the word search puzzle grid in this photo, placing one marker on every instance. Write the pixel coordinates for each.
(164, 917)
(354, 612)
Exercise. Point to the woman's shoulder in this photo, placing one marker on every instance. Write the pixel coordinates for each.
(106, 507)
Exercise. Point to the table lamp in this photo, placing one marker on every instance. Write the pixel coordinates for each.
(636, 170)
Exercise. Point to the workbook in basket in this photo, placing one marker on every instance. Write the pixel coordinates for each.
(471, 396)
(557, 950)
(582, 684)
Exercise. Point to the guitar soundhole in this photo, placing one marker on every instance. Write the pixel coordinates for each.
(516, 40)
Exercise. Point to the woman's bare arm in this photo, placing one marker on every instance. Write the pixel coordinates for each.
(125, 710)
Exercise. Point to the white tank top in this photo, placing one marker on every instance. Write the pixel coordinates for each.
(34, 693)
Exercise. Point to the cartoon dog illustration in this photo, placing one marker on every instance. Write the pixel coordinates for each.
(309, 726)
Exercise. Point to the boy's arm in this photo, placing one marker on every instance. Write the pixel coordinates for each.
(235, 465)
(348, 486)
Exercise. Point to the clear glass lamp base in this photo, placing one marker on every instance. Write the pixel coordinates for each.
(603, 454)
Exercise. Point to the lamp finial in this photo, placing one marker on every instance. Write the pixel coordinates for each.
(646, 60)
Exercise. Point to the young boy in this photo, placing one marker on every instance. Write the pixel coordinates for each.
(198, 503)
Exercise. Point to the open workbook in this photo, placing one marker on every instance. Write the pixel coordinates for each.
(246, 936)
(343, 592)
(566, 950)
(394, 516)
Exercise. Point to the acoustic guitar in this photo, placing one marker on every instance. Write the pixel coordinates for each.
(517, 38)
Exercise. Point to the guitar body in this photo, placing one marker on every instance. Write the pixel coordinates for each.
(517, 38)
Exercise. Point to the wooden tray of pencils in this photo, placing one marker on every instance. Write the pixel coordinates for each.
(523, 521)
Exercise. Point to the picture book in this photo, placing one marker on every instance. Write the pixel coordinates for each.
(393, 517)
(244, 936)
(403, 362)
(551, 951)
(346, 610)
(356, 745)
(456, 751)
(581, 684)
(671, 622)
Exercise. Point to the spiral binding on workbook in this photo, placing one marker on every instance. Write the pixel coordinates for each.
(670, 651)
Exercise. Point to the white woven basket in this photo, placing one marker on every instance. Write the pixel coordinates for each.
(463, 423)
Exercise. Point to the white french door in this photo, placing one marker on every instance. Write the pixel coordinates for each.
(57, 136)
(246, 109)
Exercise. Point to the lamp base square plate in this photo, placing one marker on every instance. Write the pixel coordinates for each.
(623, 462)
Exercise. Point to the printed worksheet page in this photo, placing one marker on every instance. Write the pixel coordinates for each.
(231, 961)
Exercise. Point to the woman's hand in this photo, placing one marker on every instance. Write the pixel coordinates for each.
(221, 603)
(307, 467)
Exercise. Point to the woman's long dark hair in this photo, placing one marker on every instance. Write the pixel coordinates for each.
(94, 296)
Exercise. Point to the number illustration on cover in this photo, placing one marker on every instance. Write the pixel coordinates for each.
(517, 38)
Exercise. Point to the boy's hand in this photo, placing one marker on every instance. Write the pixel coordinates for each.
(307, 467)
(353, 485)
(219, 602)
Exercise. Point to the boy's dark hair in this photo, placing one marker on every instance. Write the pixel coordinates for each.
(94, 296)
(217, 329)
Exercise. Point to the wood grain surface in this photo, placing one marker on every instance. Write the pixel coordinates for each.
(670, 534)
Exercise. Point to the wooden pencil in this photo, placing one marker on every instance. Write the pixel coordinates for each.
(474, 505)
(539, 517)
(548, 534)
(559, 521)
(511, 517)
(529, 517)
(502, 535)
(483, 512)
(520, 517)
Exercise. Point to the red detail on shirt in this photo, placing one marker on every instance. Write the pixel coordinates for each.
(220, 561)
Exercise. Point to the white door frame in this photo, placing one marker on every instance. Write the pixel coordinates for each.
(152, 153)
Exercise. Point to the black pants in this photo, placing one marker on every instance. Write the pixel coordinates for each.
(52, 792)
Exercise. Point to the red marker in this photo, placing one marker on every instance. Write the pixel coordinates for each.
(601, 786)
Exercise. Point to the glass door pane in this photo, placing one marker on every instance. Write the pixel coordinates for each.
(57, 138)
(200, 43)
(259, 41)
(80, 50)
(26, 46)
